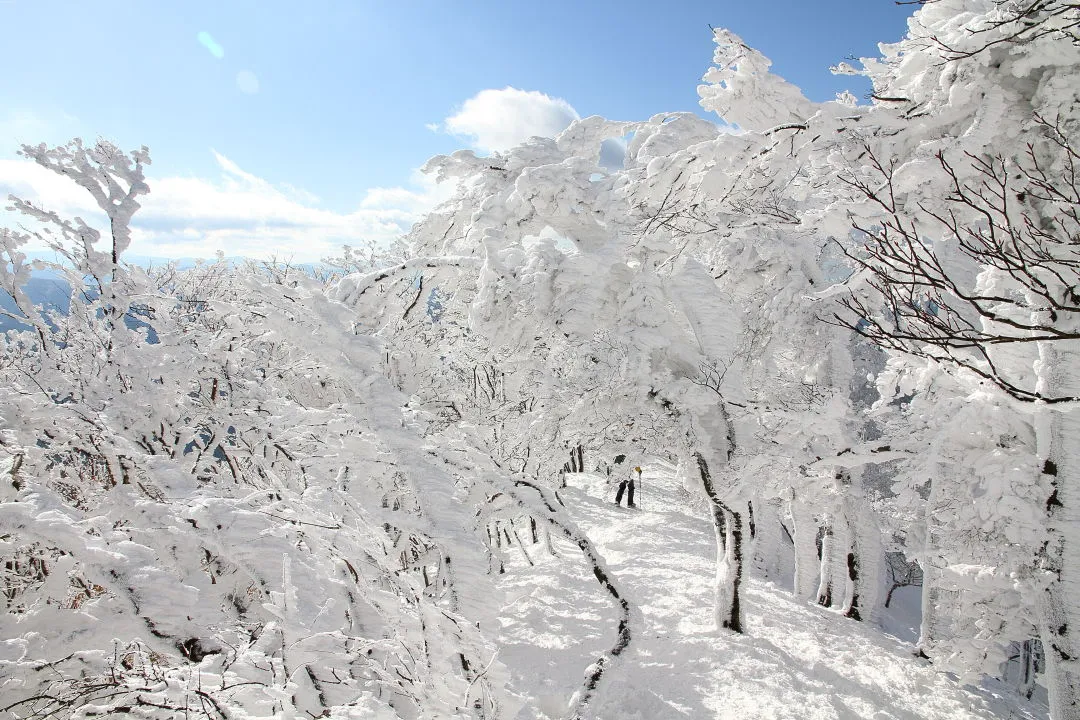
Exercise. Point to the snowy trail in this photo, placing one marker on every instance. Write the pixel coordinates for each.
(796, 660)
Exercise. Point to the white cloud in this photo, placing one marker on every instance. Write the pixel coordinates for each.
(422, 194)
(27, 180)
(238, 213)
(496, 120)
(20, 125)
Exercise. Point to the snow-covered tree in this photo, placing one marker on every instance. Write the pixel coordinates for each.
(223, 518)
(966, 259)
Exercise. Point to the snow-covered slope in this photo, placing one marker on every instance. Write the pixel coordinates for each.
(796, 660)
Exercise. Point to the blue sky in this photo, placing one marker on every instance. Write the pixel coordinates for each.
(323, 101)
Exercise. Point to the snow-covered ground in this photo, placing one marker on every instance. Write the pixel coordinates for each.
(796, 660)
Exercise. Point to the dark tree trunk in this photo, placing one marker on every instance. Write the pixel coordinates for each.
(734, 622)
(853, 576)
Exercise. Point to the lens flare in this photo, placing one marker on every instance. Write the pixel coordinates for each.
(210, 44)
(248, 82)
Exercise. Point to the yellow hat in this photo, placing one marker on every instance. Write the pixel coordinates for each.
(637, 469)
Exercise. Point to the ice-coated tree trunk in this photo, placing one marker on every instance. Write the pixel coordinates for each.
(728, 530)
(825, 565)
(729, 569)
(841, 576)
(930, 600)
(806, 555)
(833, 567)
(869, 555)
(850, 608)
(852, 562)
(729, 575)
(931, 611)
(768, 540)
(1057, 614)
(1058, 604)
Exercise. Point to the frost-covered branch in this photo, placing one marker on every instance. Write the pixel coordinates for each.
(1013, 22)
(1014, 223)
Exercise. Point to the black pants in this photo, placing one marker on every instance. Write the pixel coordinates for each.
(630, 496)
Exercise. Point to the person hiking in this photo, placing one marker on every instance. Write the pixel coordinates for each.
(627, 485)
